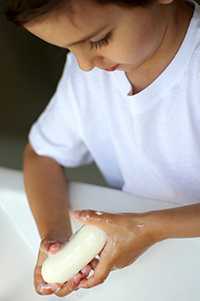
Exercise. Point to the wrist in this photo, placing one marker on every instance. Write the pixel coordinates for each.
(153, 225)
(59, 230)
(50, 223)
(178, 222)
(56, 234)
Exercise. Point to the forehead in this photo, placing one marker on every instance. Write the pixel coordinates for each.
(66, 25)
(87, 12)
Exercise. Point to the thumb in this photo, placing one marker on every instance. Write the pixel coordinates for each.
(54, 247)
(50, 246)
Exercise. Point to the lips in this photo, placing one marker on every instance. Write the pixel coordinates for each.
(112, 68)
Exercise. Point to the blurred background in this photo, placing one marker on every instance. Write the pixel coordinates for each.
(30, 70)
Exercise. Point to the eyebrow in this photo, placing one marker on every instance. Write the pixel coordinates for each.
(92, 34)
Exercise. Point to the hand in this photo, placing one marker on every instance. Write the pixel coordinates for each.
(42, 287)
(129, 235)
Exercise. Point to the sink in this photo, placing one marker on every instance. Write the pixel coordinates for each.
(168, 271)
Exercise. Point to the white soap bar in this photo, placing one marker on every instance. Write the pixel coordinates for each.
(75, 255)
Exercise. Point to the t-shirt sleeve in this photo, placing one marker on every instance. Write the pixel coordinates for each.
(57, 132)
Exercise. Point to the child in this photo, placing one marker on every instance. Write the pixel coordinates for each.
(140, 123)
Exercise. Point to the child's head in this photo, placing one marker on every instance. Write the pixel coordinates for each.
(126, 32)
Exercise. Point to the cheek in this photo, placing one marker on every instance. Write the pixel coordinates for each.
(130, 52)
(135, 48)
(148, 42)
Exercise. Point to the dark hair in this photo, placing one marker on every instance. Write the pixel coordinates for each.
(23, 11)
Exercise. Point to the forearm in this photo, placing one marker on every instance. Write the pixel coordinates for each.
(47, 191)
(176, 222)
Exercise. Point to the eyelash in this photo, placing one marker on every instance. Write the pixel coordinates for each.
(101, 43)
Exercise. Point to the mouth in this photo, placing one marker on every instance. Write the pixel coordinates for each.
(112, 68)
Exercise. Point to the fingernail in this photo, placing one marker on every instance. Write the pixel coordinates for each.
(85, 272)
(86, 269)
(54, 247)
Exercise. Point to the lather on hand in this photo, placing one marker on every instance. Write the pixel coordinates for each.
(129, 235)
(49, 246)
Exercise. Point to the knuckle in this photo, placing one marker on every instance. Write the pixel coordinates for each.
(62, 293)
(87, 212)
(67, 289)
(39, 291)
(70, 286)
(59, 294)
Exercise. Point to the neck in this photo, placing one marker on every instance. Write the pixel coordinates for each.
(171, 42)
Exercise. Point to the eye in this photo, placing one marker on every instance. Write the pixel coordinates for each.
(104, 42)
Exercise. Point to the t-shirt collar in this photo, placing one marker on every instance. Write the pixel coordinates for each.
(171, 74)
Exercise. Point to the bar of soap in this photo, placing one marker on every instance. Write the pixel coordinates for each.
(83, 246)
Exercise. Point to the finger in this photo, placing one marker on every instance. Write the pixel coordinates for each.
(47, 289)
(42, 255)
(44, 245)
(94, 263)
(51, 246)
(85, 272)
(101, 272)
(40, 285)
(69, 286)
(90, 271)
(100, 275)
(75, 281)
(54, 247)
(39, 282)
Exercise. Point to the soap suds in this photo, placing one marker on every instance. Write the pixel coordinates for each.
(99, 213)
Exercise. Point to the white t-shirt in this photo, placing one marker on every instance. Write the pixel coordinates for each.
(147, 144)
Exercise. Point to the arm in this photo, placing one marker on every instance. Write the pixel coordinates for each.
(176, 222)
(47, 191)
(131, 234)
